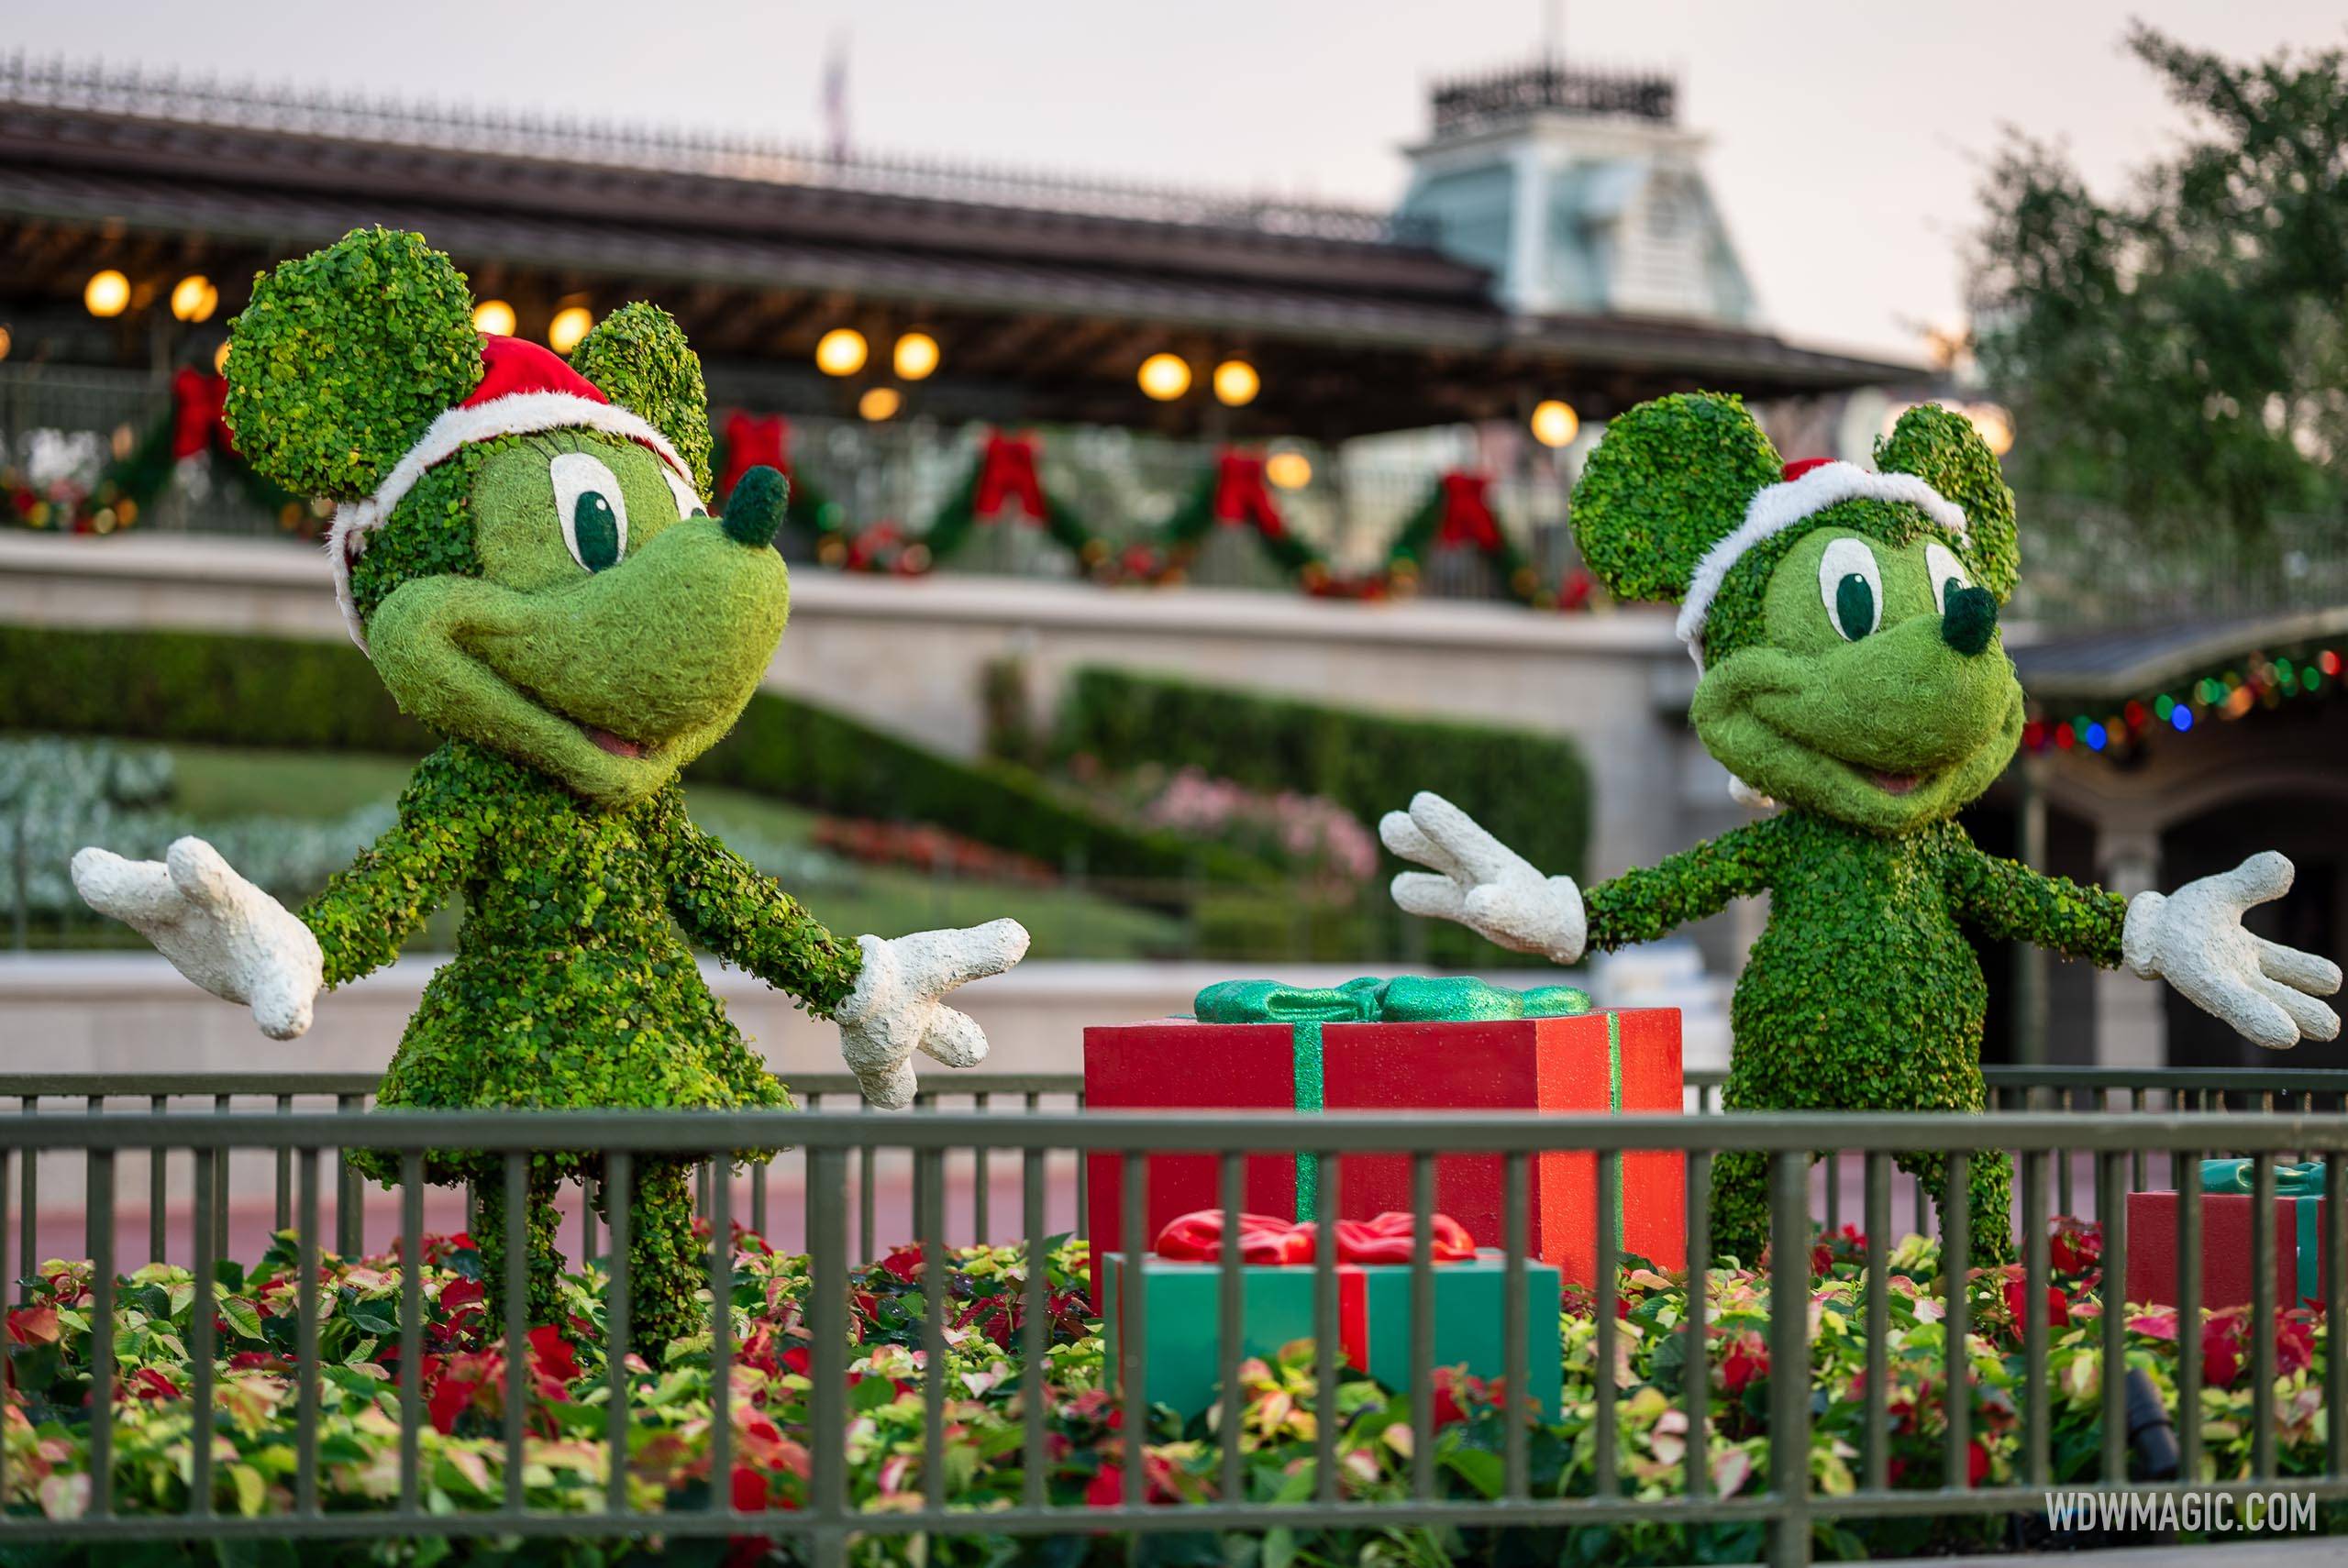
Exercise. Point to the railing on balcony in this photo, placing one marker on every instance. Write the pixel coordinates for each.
(1789, 1501)
(2084, 565)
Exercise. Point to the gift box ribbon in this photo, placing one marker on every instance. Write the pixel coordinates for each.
(1406, 998)
(2303, 1184)
(1390, 1237)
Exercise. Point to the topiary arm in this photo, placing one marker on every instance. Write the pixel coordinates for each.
(368, 907)
(728, 906)
(2008, 901)
(1640, 906)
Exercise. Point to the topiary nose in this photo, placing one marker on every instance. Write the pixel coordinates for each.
(754, 510)
(1969, 620)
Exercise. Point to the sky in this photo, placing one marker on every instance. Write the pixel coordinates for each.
(1848, 136)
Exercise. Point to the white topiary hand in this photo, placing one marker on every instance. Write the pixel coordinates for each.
(216, 928)
(895, 1010)
(2194, 939)
(1476, 880)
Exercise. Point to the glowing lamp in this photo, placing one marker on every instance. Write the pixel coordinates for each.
(1994, 425)
(915, 356)
(220, 358)
(1554, 423)
(879, 402)
(494, 318)
(840, 351)
(107, 293)
(571, 324)
(1289, 470)
(1165, 377)
(1237, 383)
(193, 298)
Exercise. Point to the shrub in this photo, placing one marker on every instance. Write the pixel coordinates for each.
(1530, 790)
(267, 691)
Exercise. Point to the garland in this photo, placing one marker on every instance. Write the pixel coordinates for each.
(748, 441)
(1456, 515)
(130, 486)
(1005, 476)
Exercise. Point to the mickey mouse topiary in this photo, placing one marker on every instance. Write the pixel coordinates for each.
(521, 547)
(1845, 622)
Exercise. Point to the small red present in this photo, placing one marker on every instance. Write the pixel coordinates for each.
(1401, 1044)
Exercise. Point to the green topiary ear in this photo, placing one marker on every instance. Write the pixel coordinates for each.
(345, 357)
(638, 357)
(1669, 480)
(1941, 446)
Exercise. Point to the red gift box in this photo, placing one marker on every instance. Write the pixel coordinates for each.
(1594, 1063)
(2225, 1250)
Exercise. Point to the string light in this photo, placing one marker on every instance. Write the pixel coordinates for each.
(193, 298)
(841, 351)
(1555, 422)
(1164, 376)
(2262, 682)
(220, 358)
(494, 318)
(1237, 383)
(879, 402)
(1289, 470)
(571, 324)
(107, 294)
(915, 356)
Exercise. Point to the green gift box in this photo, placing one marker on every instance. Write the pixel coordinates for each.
(1181, 1314)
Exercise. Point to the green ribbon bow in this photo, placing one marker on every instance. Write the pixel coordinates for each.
(2290, 1181)
(1406, 998)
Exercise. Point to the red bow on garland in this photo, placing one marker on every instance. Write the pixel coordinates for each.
(1197, 1237)
(1466, 513)
(1241, 495)
(754, 440)
(1007, 472)
(198, 400)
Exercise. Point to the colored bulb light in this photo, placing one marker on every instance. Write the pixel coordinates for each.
(2164, 706)
(2096, 737)
(2181, 718)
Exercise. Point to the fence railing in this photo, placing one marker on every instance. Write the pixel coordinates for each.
(1050, 1147)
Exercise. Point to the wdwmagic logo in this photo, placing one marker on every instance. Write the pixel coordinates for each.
(2206, 1513)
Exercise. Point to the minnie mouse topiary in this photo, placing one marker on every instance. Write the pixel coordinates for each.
(522, 549)
(1845, 625)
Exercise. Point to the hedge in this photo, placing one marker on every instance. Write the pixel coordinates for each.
(322, 696)
(1531, 790)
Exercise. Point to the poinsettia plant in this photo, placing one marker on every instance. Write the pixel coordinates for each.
(465, 1382)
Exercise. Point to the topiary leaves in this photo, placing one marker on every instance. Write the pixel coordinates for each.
(1941, 446)
(1669, 480)
(345, 357)
(638, 358)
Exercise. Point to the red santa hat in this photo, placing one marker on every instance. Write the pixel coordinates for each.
(525, 387)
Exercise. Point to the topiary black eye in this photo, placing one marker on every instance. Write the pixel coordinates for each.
(1854, 606)
(597, 528)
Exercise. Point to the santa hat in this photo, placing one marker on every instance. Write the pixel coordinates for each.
(524, 389)
(1810, 486)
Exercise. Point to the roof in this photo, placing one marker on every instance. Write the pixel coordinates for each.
(751, 243)
(2122, 663)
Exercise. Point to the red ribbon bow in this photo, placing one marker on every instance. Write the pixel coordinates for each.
(1007, 472)
(1240, 495)
(753, 441)
(1467, 513)
(198, 400)
(1197, 1237)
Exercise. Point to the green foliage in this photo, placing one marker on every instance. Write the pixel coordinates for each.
(1670, 480)
(1861, 993)
(609, 1009)
(344, 357)
(2179, 349)
(430, 534)
(668, 1402)
(1531, 790)
(639, 357)
(1941, 446)
(240, 691)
